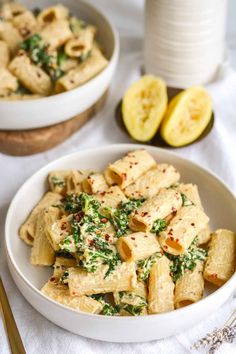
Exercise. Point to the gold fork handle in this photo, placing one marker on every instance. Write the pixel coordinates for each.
(13, 334)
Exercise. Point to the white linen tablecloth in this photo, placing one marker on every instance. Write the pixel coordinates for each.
(216, 152)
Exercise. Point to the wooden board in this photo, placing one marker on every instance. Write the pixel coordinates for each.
(28, 142)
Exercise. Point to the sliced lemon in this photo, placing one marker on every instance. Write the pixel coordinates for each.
(143, 107)
(187, 116)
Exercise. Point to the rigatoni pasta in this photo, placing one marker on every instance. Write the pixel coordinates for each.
(220, 263)
(182, 229)
(160, 287)
(121, 256)
(151, 182)
(189, 288)
(4, 54)
(48, 51)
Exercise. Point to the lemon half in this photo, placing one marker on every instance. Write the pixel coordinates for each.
(187, 116)
(143, 107)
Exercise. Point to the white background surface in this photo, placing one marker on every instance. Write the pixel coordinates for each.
(217, 152)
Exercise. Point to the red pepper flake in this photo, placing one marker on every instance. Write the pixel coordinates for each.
(63, 225)
(144, 213)
(166, 247)
(104, 220)
(193, 224)
(177, 240)
(172, 238)
(214, 275)
(107, 237)
(132, 238)
(52, 279)
(79, 216)
(173, 209)
(124, 176)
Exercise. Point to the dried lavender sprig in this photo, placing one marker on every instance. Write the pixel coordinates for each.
(216, 338)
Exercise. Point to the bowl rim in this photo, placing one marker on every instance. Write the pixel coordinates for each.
(114, 148)
(113, 58)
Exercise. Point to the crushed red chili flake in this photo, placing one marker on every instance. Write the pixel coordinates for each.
(166, 247)
(107, 237)
(193, 224)
(172, 238)
(214, 275)
(52, 279)
(173, 209)
(144, 213)
(124, 176)
(132, 238)
(79, 216)
(177, 240)
(63, 226)
(104, 220)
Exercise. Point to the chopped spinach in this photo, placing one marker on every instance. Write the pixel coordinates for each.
(57, 181)
(86, 240)
(108, 309)
(120, 216)
(132, 303)
(158, 226)
(39, 53)
(36, 11)
(185, 200)
(187, 261)
(145, 265)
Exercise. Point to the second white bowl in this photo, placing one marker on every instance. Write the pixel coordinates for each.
(31, 114)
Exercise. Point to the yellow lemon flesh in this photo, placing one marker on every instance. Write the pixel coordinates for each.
(187, 116)
(143, 107)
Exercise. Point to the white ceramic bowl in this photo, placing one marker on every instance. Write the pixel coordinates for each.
(30, 114)
(218, 202)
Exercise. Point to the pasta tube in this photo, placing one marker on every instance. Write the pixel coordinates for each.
(112, 197)
(157, 207)
(126, 170)
(75, 179)
(56, 229)
(81, 43)
(25, 23)
(85, 71)
(61, 265)
(131, 302)
(182, 229)
(51, 14)
(160, 287)
(123, 278)
(11, 9)
(30, 75)
(41, 253)
(95, 183)
(10, 35)
(220, 263)
(189, 288)
(27, 229)
(151, 182)
(60, 293)
(56, 33)
(8, 82)
(137, 246)
(4, 54)
(191, 192)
